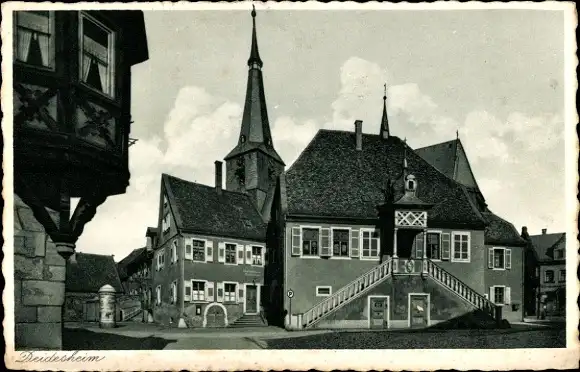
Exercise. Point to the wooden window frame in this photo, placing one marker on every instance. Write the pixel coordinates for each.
(440, 233)
(309, 227)
(202, 291)
(235, 245)
(51, 43)
(361, 244)
(193, 247)
(236, 287)
(461, 233)
(319, 287)
(349, 242)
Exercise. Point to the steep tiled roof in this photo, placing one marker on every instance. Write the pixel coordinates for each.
(545, 244)
(441, 156)
(134, 256)
(201, 209)
(331, 178)
(501, 232)
(90, 272)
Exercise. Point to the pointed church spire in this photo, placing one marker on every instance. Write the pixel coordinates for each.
(255, 131)
(254, 60)
(385, 119)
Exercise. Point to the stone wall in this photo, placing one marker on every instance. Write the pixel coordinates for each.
(39, 277)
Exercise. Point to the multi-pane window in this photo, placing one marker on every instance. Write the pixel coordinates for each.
(198, 247)
(323, 291)
(97, 62)
(229, 292)
(256, 255)
(340, 243)
(499, 295)
(35, 38)
(370, 244)
(460, 247)
(549, 276)
(310, 239)
(562, 277)
(434, 246)
(197, 291)
(499, 258)
(161, 259)
(231, 253)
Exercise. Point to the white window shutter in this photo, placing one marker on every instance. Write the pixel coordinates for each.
(240, 254)
(264, 256)
(241, 292)
(296, 241)
(176, 247)
(220, 292)
(209, 251)
(209, 291)
(508, 296)
(325, 250)
(187, 290)
(188, 252)
(492, 294)
(221, 252)
(248, 254)
(419, 246)
(490, 258)
(445, 246)
(157, 263)
(355, 243)
(508, 258)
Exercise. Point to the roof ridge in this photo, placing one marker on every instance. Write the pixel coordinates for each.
(436, 144)
(207, 186)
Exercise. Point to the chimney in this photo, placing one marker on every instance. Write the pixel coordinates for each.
(149, 243)
(358, 134)
(525, 234)
(544, 231)
(218, 176)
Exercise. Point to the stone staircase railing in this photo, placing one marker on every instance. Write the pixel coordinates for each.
(461, 289)
(346, 294)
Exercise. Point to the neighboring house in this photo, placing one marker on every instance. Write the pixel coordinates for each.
(86, 274)
(551, 254)
(135, 273)
(360, 232)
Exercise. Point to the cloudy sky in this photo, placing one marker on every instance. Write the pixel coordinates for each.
(496, 76)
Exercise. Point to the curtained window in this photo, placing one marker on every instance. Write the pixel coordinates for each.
(97, 67)
(35, 38)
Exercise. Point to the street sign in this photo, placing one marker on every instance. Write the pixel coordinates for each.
(290, 293)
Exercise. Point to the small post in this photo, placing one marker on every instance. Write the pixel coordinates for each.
(498, 315)
(108, 306)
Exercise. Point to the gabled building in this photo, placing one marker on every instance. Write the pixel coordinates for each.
(211, 250)
(362, 231)
(550, 252)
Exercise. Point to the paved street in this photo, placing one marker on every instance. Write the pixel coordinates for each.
(138, 336)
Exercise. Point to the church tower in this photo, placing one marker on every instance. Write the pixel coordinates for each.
(253, 165)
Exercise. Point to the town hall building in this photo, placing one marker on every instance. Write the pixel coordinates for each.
(361, 231)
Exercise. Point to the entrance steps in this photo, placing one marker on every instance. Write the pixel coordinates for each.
(249, 321)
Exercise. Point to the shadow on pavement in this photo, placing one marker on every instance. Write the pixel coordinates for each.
(82, 339)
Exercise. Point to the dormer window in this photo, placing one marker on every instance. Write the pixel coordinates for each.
(411, 183)
(97, 67)
(35, 38)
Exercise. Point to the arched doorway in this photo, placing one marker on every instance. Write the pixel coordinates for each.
(215, 315)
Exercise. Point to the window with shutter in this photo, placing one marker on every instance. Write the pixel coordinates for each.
(498, 294)
(257, 255)
(248, 257)
(434, 246)
(370, 244)
(445, 246)
(198, 290)
(230, 290)
(310, 241)
(419, 245)
(231, 251)
(341, 242)
(490, 258)
(508, 258)
(199, 247)
(354, 243)
(499, 258)
(221, 252)
(461, 248)
(508, 295)
(325, 243)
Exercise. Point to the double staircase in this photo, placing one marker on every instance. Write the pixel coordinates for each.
(378, 274)
(347, 293)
